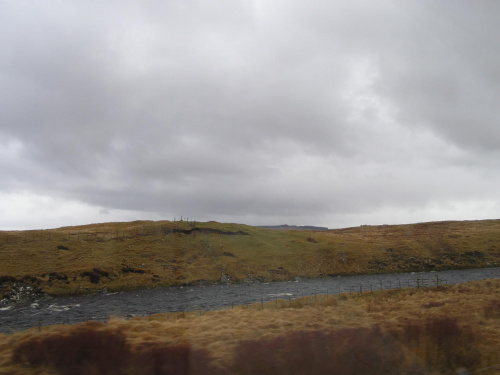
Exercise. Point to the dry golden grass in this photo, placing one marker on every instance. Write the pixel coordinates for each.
(475, 306)
(143, 254)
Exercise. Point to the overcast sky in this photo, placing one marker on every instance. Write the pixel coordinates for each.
(331, 113)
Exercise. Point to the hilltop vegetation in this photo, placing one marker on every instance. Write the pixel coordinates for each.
(293, 227)
(426, 331)
(118, 256)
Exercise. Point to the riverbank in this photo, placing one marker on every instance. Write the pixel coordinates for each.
(125, 256)
(100, 306)
(418, 331)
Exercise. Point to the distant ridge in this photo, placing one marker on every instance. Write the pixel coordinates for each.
(291, 227)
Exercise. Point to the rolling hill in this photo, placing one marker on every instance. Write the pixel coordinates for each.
(143, 254)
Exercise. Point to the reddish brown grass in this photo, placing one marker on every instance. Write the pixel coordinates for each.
(85, 350)
(156, 359)
(91, 348)
(442, 343)
(345, 351)
(492, 309)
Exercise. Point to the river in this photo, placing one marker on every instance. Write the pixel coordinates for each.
(73, 309)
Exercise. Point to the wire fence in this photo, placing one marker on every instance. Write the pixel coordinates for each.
(349, 289)
(296, 298)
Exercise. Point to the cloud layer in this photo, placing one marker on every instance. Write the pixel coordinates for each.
(261, 112)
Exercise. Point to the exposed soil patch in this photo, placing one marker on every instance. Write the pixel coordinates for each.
(95, 275)
(473, 256)
(57, 276)
(128, 269)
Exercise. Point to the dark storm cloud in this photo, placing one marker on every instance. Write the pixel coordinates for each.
(250, 110)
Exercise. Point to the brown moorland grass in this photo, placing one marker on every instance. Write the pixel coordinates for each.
(428, 331)
(143, 254)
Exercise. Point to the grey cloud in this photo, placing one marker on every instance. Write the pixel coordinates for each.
(260, 109)
(447, 77)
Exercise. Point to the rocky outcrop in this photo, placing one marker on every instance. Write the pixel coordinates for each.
(15, 290)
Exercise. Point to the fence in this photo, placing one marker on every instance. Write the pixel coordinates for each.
(282, 300)
(353, 289)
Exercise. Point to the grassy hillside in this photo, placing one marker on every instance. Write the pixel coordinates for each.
(410, 331)
(140, 254)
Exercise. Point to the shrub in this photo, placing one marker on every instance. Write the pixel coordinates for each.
(345, 351)
(100, 272)
(91, 349)
(492, 309)
(155, 359)
(87, 349)
(441, 343)
(93, 277)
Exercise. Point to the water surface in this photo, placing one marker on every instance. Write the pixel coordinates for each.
(75, 309)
